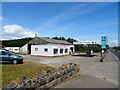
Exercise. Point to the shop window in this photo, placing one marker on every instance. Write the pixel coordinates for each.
(36, 49)
(45, 49)
(61, 51)
(55, 51)
(66, 50)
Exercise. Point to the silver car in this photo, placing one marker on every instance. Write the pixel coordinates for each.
(9, 57)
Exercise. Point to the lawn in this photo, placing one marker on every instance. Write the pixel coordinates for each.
(12, 72)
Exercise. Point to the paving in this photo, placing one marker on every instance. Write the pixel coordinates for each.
(93, 73)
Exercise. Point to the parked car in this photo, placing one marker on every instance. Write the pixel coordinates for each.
(8, 57)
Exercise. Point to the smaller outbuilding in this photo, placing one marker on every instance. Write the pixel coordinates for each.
(13, 49)
(47, 47)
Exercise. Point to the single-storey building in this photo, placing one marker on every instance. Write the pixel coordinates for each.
(47, 47)
(13, 49)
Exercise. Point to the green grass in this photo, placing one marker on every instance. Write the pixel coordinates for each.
(13, 72)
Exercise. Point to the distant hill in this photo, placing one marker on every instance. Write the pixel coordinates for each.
(21, 42)
(16, 42)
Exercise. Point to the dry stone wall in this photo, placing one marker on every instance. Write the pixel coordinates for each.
(46, 80)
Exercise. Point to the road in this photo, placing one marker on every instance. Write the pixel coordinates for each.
(93, 73)
(100, 75)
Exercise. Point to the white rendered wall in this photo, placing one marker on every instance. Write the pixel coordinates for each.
(41, 50)
(13, 49)
(24, 49)
(50, 47)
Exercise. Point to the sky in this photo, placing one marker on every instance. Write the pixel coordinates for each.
(78, 20)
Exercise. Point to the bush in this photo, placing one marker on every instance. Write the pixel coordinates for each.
(82, 48)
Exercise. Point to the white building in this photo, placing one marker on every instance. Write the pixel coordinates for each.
(47, 47)
(13, 49)
(86, 42)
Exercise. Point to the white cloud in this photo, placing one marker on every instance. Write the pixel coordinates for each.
(114, 43)
(1, 18)
(15, 31)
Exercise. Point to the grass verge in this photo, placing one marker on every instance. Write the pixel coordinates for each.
(13, 72)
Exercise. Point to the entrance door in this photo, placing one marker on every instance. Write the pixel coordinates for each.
(71, 48)
(29, 48)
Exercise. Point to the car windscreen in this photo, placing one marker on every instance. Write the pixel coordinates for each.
(9, 52)
(3, 53)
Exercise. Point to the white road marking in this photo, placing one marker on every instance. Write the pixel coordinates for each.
(115, 57)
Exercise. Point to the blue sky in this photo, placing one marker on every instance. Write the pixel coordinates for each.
(79, 20)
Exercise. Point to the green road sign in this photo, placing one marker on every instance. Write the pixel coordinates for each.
(103, 42)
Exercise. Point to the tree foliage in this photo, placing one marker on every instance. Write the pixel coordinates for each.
(84, 48)
(117, 48)
(71, 40)
(23, 41)
(16, 42)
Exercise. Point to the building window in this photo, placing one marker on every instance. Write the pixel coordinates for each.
(61, 51)
(36, 49)
(45, 49)
(66, 50)
(55, 51)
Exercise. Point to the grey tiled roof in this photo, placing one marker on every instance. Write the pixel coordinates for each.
(41, 40)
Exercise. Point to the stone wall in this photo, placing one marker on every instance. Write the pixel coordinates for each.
(48, 79)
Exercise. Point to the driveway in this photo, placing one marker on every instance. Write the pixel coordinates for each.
(92, 71)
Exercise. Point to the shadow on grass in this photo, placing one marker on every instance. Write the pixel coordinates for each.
(6, 63)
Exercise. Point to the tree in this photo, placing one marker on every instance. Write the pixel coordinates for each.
(16, 42)
(71, 40)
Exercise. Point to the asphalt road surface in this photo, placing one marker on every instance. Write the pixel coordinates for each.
(93, 73)
(101, 75)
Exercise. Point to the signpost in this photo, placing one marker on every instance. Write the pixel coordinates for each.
(103, 46)
(103, 42)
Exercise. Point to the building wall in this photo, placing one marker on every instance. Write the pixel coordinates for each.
(13, 49)
(24, 49)
(40, 49)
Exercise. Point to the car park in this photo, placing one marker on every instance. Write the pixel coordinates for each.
(8, 57)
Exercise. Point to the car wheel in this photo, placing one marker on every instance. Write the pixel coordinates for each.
(14, 61)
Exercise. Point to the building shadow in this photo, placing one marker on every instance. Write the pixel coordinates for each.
(83, 55)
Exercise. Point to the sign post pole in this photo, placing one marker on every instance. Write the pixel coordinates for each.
(103, 46)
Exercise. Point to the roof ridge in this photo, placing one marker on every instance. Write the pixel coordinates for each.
(48, 40)
(55, 39)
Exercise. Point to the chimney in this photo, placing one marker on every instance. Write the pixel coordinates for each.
(35, 34)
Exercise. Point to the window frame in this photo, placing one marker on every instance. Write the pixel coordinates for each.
(46, 50)
(54, 51)
(66, 49)
(36, 49)
(62, 50)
